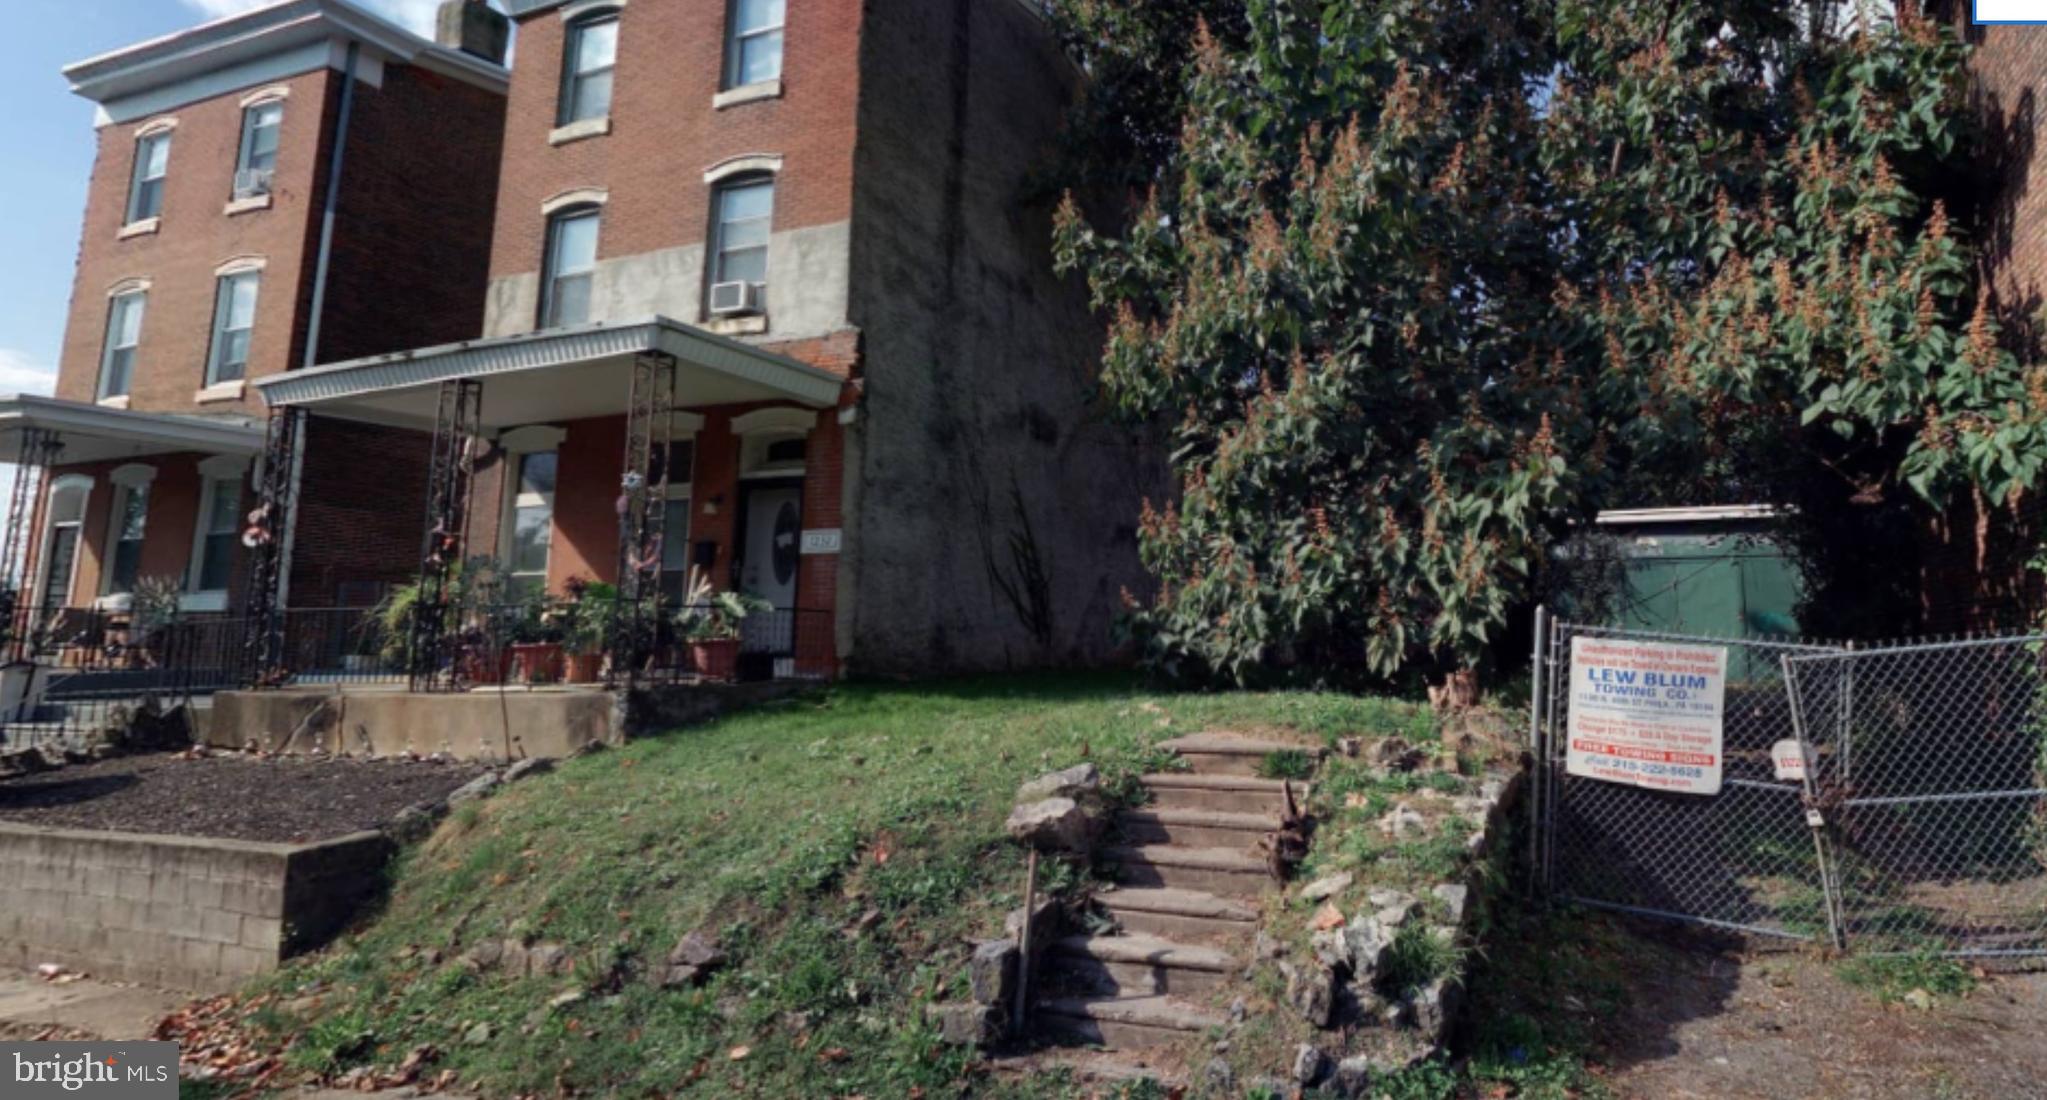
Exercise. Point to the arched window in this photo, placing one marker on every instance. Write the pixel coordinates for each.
(68, 496)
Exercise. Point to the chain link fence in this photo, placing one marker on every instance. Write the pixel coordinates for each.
(1887, 800)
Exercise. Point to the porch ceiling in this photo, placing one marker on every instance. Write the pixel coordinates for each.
(541, 377)
(96, 433)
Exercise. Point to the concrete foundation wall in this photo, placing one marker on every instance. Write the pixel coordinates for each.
(180, 912)
(467, 726)
(976, 442)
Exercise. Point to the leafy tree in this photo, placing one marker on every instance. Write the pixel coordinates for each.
(1421, 284)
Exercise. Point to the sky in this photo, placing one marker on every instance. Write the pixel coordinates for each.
(46, 141)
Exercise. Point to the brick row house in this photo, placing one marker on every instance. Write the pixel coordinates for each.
(756, 288)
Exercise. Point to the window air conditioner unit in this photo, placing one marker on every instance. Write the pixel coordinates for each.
(736, 299)
(252, 182)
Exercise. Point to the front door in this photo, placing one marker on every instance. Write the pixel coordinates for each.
(774, 537)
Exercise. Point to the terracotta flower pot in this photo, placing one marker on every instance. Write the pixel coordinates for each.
(715, 660)
(585, 668)
(537, 662)
(484, 667)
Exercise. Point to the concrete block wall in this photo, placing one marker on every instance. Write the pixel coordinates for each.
(180, 912)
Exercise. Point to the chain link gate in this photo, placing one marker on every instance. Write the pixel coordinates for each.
(1745, 859)
(1916, 825)
(1935, 800)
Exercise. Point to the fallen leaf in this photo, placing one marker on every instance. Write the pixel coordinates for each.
(832, 1054)
(738, 1054)
(1327, 917)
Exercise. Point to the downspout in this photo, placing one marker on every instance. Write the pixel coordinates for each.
(312, 356)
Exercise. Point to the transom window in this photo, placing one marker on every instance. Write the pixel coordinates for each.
(234, 318)
(124, 335)
(746, 211)
(130, 521)
(152, 163)
(571, 260)
(532, 521)
(754, 47)
(257, 161)
(588, 59)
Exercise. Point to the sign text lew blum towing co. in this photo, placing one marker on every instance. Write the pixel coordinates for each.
(1647, 713)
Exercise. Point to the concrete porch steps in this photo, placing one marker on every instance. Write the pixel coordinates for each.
(1224, 753)
(1126, 1022)
(1230, 872)
(1189, 915)
(1196, 828)
(1142, 966)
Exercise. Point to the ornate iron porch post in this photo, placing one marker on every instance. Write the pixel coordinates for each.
(39, 450)
(263, 638)
(642, 501)
(451, 476)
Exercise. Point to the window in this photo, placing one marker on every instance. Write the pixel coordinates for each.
(221, 519)
(571, 257)
(532, 521)
(124, 334)
(675, 548)
(234, 317)
(588, 58)
(67, 525)
(257, 161)
(130, 517)
(754, 52)
(152, 161)
(745, 211)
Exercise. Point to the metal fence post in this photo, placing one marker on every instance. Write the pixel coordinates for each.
(1537, 751)
(1815, 820)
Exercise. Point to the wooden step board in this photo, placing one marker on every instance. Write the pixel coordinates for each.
(1229, 872)
(1223, 753)
(1195, 828)
(1126, 1022)
(1221, 793)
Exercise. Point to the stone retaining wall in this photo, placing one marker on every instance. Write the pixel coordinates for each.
(180, 912)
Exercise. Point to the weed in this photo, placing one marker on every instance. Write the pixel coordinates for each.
(1893, 977)
(1286, 764)
(1420, 955)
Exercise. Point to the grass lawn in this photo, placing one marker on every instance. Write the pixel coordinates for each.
(845, 848)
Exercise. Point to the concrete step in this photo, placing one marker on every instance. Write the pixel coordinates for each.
(1186, 915)
(1141, 966)
(1226, 871)
(1125, 1022)
(1195, 828)
(1223, 753)
(1222, 793)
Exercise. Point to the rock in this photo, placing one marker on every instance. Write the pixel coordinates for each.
(565, 998)
(1311, 994)
(1401, 821)
(588, 748)
(1367, 942)
(531, 766)
(966, 1025)
(1045, 925)
(1270, 1086)
(543, 959)
(1395, 913)
(1309, 1063)
(1332, 950)
(1454, 897)
(415, 823)
(692, 960)
(1265, 948)
(1222, 1080)
(1353, 1077)
(1326, 918)
(1374, 1009)
(478, 1035)
(1078, 783)
(992, 972)
(1351, 746)
(1322, 889)
(484, 956)
(1394, 754)
(1434, 1005)
(474, 789)
(1920, 999)
(1055, 824)
(1238, 1010)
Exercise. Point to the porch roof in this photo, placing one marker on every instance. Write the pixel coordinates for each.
(96, 433)
(552, 375)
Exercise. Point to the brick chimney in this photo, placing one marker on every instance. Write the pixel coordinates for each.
(475, 28)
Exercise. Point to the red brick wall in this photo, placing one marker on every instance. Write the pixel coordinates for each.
(665, 132)
(195, 238)
(362, 501)
(167, 535)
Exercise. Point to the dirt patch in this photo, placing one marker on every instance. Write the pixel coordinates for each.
(286, 800)
(1704, 1018)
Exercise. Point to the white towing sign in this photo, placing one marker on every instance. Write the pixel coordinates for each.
(1648, 714)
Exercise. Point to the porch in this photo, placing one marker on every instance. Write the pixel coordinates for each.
(576, 483)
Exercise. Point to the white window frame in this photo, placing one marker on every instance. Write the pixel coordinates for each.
(139, 294)
(129, 481)
(147, 138)
(216, 473)
(736, 38)
(516, 446)
(83, 485)
(223, 305)
(550, 261)
(760, 429)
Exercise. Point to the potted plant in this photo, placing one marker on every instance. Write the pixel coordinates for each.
(586, 619)
(534, 626)
(709, 623)
(152, 608)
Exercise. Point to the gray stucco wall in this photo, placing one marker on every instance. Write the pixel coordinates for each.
(975, 437)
